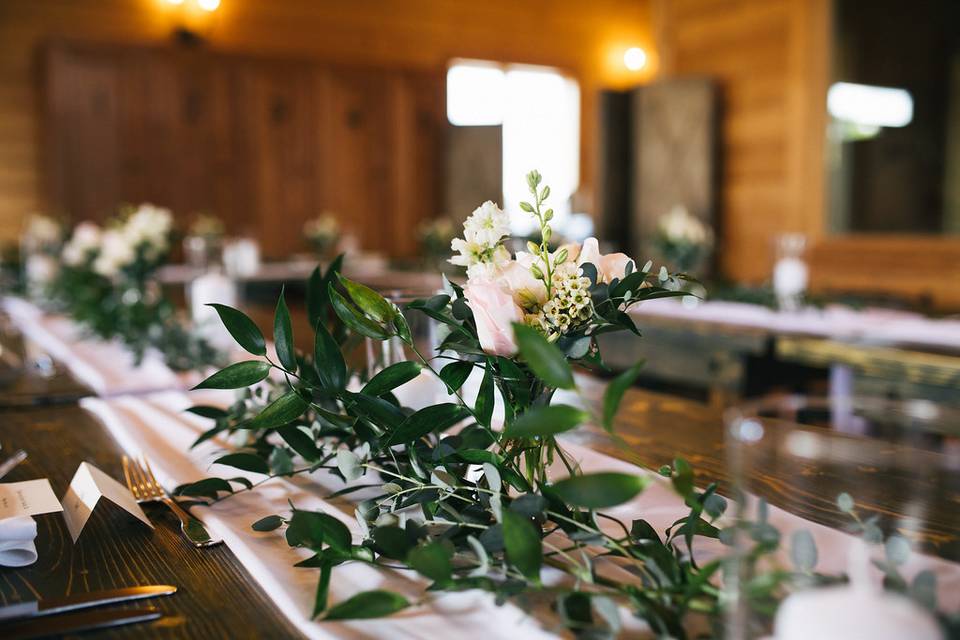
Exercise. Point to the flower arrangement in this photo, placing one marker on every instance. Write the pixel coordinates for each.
(39, 244)
(207, 225)
(435, 235)
(106, 283)
(682, 240)
(323, 233)
(448, 491)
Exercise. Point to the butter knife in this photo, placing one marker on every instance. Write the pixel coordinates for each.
(49, 606)
(77, 622)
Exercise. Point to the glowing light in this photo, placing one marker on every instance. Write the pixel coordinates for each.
(208, 5)
(635, 58)
(475, 94)
(174, 1)
(870, 106)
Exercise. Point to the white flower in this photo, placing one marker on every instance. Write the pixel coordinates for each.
(116, 253)
(680, 227)
(148, 227)
(487, 225)
(83, 243)
(41, 233)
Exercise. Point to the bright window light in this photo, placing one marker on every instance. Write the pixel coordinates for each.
(541, 130)
(475, 94)
(870, 106)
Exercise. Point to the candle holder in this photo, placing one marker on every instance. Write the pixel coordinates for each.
(840, 502)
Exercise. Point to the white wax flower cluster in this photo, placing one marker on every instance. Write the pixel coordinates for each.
(502, 289)
(41, 233)
(323, 227)
(680, 227)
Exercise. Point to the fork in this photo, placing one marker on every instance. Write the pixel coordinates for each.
(145, 488)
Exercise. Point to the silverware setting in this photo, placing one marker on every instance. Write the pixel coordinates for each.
(8, 465)
(145, 488)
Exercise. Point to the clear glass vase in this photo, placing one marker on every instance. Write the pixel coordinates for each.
(842, 496)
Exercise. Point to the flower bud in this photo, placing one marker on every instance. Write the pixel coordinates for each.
(526, 206)
(561, 256)
(547, 233)
(535, 270)
(533, 247)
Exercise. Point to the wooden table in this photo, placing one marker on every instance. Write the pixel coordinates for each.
(656, 428)
(217, 598)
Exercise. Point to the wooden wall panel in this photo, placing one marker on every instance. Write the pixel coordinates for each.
(585, 38)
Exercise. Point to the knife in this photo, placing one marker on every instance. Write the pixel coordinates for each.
(77, 622)
(48, 606)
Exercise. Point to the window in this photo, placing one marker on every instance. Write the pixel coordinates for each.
(539, 110)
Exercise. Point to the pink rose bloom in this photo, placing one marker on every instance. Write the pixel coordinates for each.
(517, 278)
(609, 266)
(495, 312)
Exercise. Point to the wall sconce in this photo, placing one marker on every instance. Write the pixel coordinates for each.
(192, 20)
(634, 58)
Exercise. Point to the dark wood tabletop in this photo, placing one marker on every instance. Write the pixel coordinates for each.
(217, 598)
(919, 499)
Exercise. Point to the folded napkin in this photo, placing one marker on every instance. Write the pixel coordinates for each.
(17, 548)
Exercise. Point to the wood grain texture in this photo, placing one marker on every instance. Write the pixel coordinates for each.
(217, 598)
(657, 428)
(584, 38)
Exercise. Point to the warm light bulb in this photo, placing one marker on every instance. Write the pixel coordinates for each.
(635, 58)
(209, 5)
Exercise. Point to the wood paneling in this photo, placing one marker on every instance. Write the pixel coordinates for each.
(772, 59)
(585, 38)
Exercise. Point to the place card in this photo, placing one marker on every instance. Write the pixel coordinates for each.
(89, 484)
(27, 498)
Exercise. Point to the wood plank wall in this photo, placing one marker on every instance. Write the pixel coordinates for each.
(585, 38)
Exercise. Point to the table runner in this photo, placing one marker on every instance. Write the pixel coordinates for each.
(870, 326)
(108, 368)
(156, 426)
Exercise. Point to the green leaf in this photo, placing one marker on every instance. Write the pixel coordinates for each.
(349, 465)
(204, 411)
(484, 405)
(803, 550)
(267, 524)
(682, 477)
(283, 335)
(392, 377)
(242, 328)
(523, 545)
(281, 411)
(323, 589)
(545, 421)
(354, 319)
(328, 360)
(392, 542)
(614, 393)
(300, 442)
(207, 488)
(379, 411)
(313, 528)
(369, 301)
(429, 419)
(455, 374)
(368, 604)
(318, 297)
(237, 376)
(546, 360)
(245, 461)
(600, 490)
(432, 560)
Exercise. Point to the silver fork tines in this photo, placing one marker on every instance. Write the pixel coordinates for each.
(145, 488)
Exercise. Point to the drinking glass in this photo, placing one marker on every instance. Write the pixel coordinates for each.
(832, 487)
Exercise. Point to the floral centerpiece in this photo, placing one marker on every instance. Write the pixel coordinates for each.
(322, 233)
(435, 235)
(39, 245)
(203, 243)
(466, 499)
(107, 283)
(682, 240)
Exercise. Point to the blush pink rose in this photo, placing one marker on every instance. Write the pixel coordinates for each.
(519, 280)
(495, 312)
(609, 266)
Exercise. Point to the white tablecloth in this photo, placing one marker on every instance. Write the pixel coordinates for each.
(155, 425)
(869, 326)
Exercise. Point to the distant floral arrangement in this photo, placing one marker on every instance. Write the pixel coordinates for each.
(322, 233)
(682, 240)
(207, 225)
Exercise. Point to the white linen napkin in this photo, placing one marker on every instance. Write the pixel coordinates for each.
(17, 535)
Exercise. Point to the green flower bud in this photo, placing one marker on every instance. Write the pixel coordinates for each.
(547, 233)
(561, 256)
(526, 206)
(545, 193)
(533, 247)
(535, 270)
(548, 216)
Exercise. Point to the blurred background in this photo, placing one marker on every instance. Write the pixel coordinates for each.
(779, 150)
